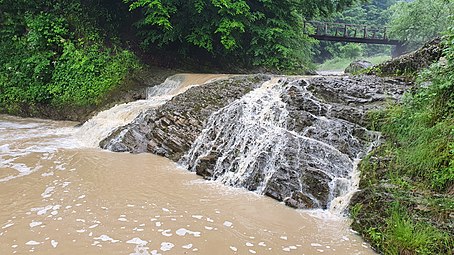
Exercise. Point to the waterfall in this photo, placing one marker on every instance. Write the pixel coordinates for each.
(101, 125)
(105, 122)
(257, 143)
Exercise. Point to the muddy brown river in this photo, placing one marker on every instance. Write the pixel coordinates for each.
(59, 195)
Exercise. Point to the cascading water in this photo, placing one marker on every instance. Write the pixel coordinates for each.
(255, 143)
(100, 126)
(105, 122)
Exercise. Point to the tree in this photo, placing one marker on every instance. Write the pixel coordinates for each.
(256, 32)
(421, 20)
(372, 13)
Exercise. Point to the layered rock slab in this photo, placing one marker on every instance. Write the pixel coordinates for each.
(169, 130)
(293, 139)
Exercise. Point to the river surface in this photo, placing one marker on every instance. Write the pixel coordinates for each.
(60, 195)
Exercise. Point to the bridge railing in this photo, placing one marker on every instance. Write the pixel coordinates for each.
(345, 30)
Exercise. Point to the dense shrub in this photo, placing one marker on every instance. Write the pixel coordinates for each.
(53, 52)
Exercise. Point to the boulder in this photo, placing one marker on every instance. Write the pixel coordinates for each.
(357, 66)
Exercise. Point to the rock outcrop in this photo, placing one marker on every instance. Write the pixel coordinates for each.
(170, 129)
(293, 139)
(412, 62)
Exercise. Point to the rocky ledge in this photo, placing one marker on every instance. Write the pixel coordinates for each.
(411, 63)
(293, 139)
(171, 129)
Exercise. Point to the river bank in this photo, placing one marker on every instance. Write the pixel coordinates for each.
(406, 199)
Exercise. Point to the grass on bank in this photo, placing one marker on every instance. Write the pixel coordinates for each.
(405, 236)
(339, 64)
(410, 177)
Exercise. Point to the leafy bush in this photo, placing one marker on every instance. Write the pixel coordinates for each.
(83, 76)
(53, 53)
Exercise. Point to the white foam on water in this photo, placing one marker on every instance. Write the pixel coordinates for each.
(106, 238)
(166, 246)
(35, 224)
(8, 225)
(166, 232)
(187, 246)
(137, 241)
(54, 243)
(48, 192)
(183, 232)
(32, 242)
(42, 137)
(227, 224)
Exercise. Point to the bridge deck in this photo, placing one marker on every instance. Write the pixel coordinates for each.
(355, 39)
(340, 32)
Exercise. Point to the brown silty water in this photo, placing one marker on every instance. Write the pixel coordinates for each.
(59, 196)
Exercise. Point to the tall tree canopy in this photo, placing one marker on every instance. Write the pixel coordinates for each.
(420, 20)
(373, 13)
(258, 32)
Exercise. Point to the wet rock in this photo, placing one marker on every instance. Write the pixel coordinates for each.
(349, 98)
(299, 201)
(295, 140)
(357, 66)
(292, 142)
(171, 129)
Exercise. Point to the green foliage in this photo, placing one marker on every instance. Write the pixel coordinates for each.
(83, 76)
(423, 152)
(376, 237)
(259, 32)
(53, 53)
(419, 21)
(371, 13)
(409, 179)
(422, 127)
(402, 235)
(354, 211)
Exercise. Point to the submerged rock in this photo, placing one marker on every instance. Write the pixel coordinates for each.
(293, 139)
